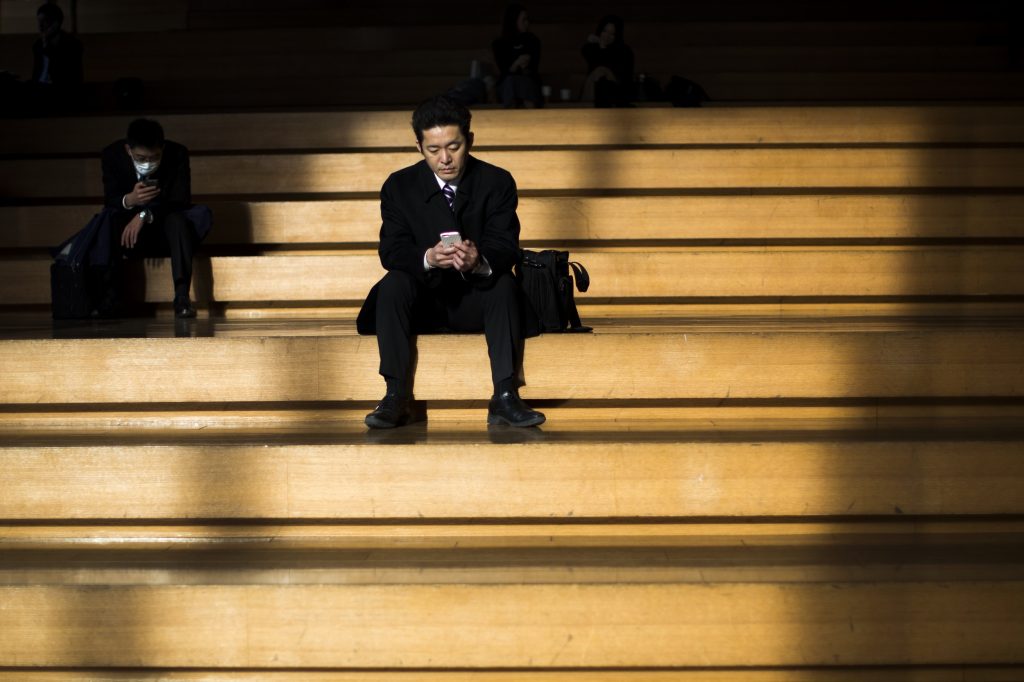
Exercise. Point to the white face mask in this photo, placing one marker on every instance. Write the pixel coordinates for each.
(145, 168)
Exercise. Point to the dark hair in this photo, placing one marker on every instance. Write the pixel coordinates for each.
(440, 111)
(51, 12)
(144, 132)
(510, 20)
(616, 21)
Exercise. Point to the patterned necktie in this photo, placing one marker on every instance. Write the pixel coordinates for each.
(449, 194)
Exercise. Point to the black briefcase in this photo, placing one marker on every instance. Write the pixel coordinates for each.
(69, 291)
(546, 290)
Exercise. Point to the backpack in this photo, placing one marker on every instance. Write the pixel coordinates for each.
(546, 289)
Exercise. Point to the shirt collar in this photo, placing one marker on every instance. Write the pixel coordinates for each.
(441, 183)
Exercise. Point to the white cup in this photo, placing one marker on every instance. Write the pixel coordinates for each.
(566, 94)
(545, 90)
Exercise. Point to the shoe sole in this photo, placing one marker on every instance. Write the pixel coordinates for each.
(495, 420)
(404, 420)
(381, 424)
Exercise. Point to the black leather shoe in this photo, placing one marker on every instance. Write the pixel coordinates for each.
(392, 410)
(508, 408)
(183, 308)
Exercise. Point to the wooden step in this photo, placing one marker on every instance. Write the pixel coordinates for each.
(575, 170)
(319, 12)
(520, 626)
(177, 59)
(304, 131)
(27, 425)
(477, 473)
(973, 673)
(185, 543)
(574, 219)
(724, 88)
(495, 554)
(726, 273)
(790, 359)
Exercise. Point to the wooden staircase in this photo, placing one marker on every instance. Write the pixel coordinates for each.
(214, 55)
(791, 450)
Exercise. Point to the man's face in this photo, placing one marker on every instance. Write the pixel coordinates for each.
(607, 36)
(47, 27)
(142, 154)
(523, 22)
(445, 148)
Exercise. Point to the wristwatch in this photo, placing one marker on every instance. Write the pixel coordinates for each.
(146, 216)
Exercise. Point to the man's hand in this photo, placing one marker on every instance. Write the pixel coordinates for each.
(466, 257)
(142, 194)
(521, 63)
(131, 232)
(440, 256)
(602, 72)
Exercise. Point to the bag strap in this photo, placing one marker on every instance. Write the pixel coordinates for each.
(580, 275)
(582, 279)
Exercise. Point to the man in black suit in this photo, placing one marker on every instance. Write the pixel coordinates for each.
(435, 284)
(147, 185)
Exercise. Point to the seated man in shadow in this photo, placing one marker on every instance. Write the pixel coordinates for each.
(147, 188)
(449, 239)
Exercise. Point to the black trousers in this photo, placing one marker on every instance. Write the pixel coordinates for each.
(406, 307)
(172, 235)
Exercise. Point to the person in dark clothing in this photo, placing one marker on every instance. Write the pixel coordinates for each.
(609, 60)
(56, 63)
(56, 83)
(448, 240)
(147, 184)
(57, 55)
(517, 55)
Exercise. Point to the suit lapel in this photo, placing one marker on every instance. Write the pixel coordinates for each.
(464, 197)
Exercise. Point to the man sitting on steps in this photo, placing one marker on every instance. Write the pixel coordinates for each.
(147, 186)
(449, 239)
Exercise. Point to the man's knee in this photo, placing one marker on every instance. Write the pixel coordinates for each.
(396, 287)
(175, 222)
(178, 229)
(503, 291)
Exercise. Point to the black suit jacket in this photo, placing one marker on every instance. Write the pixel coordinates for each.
(173, 174)
(414, 213)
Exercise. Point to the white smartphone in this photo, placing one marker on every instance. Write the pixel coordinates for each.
(451, 238)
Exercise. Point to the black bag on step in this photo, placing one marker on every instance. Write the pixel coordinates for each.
(69, 291)
(79, 287)
(546, 288)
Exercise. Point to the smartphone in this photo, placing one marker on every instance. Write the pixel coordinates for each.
(451, 238)
(150, 182)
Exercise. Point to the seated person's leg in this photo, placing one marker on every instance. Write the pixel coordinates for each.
(397, 293)
(495, 311)
(180, 239)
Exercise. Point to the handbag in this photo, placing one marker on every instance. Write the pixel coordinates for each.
(546, 291)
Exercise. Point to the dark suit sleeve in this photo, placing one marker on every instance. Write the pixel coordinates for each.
(398, 248)
(499, 239)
